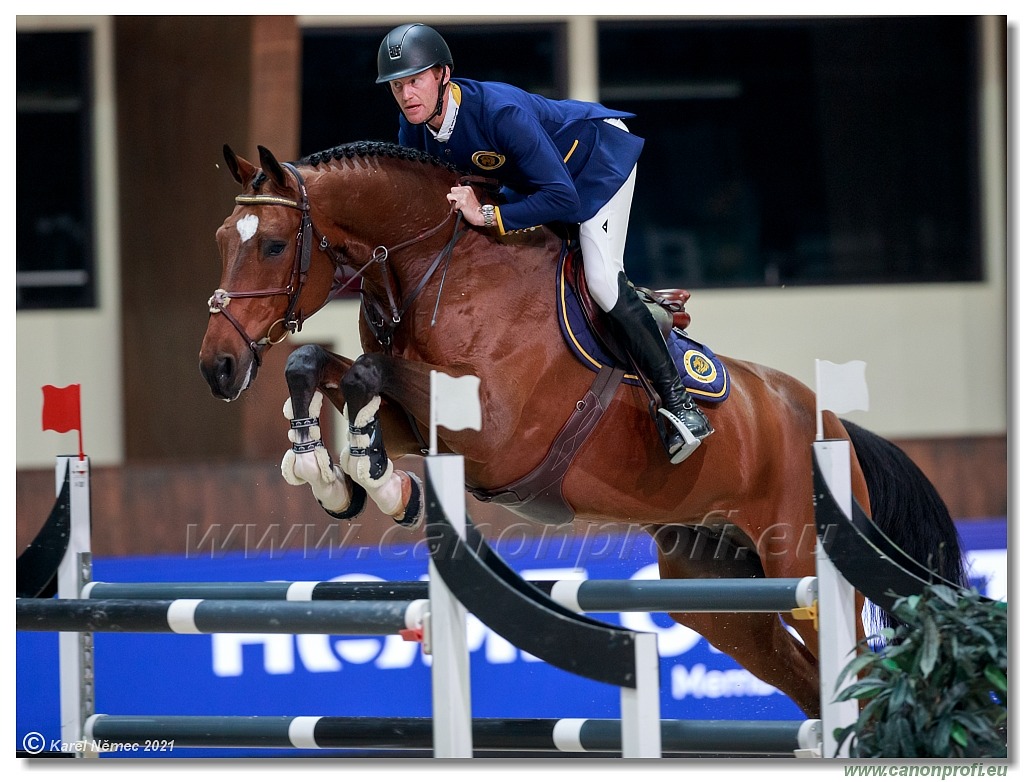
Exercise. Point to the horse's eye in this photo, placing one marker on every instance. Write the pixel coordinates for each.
(272, 248)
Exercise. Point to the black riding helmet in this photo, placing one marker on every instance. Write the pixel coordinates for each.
(409, 49)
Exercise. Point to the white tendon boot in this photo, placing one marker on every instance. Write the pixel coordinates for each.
(396, 492)
(309, 462)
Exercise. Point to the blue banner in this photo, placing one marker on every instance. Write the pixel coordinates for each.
(323, 675)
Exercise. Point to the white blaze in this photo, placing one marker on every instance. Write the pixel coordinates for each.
(247, 227)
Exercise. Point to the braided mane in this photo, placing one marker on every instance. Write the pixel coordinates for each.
(363, 149)
(366, 149)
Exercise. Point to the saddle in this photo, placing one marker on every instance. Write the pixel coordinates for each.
(667, 306)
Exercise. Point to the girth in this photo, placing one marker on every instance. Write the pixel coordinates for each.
(538, 495)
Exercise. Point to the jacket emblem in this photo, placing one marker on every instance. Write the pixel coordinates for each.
(488, 160)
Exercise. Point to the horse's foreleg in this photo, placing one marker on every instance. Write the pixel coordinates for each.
(308, 461)
(397, 493)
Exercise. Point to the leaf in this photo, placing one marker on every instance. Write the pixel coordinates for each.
(984, 633)
(930, 647)
(857, 664)
(840, 735)
(940, 738)
(873, 706)
(890, 664)
(862, 690)
(902, 695)
(959, 734)
(909, 606)
(996, 677)
(945, 594)
(906, 739)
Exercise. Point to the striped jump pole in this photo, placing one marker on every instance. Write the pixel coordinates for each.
(258, 590)
(187, 616)
(717, 595)
(706, 737)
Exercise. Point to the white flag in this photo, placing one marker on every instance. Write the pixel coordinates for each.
(841, 387)
(455, 401)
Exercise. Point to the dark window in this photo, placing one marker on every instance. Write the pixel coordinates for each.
(804, 151)
(778, 152)
(341, 101)
(54, 152)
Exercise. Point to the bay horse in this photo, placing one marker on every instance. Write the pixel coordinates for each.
(437, 294)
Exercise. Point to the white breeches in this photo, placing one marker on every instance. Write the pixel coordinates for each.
(603, 242)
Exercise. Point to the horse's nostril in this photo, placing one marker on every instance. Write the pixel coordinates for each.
(220, 374)
(225, 369)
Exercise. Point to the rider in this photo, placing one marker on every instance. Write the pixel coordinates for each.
(558, 161)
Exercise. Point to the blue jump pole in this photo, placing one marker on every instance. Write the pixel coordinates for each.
(356, 617)
(591, 596)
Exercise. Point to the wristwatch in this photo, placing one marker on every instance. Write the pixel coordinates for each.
(487, 210)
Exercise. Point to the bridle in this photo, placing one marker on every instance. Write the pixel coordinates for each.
(292, 320)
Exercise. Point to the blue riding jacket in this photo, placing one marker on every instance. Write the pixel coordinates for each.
(557, 160)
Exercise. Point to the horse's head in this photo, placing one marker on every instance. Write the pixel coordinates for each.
(378, 210)
(272, 276)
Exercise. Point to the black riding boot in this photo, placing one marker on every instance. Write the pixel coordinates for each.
(687, 424)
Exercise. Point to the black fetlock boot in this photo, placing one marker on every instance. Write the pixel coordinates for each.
(687, 424)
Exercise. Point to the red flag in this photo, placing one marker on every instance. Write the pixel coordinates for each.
(62, 411)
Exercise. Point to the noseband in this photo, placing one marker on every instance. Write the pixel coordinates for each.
(292, 320)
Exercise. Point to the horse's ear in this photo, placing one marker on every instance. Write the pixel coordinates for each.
(241, 169)
(272, 168)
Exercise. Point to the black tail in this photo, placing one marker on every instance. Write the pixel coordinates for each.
(907, 507)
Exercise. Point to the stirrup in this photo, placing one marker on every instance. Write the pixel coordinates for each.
(689, 444)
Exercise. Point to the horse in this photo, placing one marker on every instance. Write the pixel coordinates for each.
(437, 294)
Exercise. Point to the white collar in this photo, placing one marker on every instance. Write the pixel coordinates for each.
(451, 113)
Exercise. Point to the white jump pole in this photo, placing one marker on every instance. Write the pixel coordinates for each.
(840, 388)
(75, 650)
(454, 403)
(641, 705)
(837, 613)
(445, 628)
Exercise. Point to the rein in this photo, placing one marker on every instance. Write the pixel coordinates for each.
(382, 330)
(291, 321)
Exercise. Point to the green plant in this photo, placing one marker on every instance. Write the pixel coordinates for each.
(936, 688)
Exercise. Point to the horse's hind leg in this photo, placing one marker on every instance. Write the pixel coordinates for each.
(308, 461)
(758, 642)
(397, 492)
(764, 647)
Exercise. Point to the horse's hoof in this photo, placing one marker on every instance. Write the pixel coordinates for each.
(414, 507)
(355, 506)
